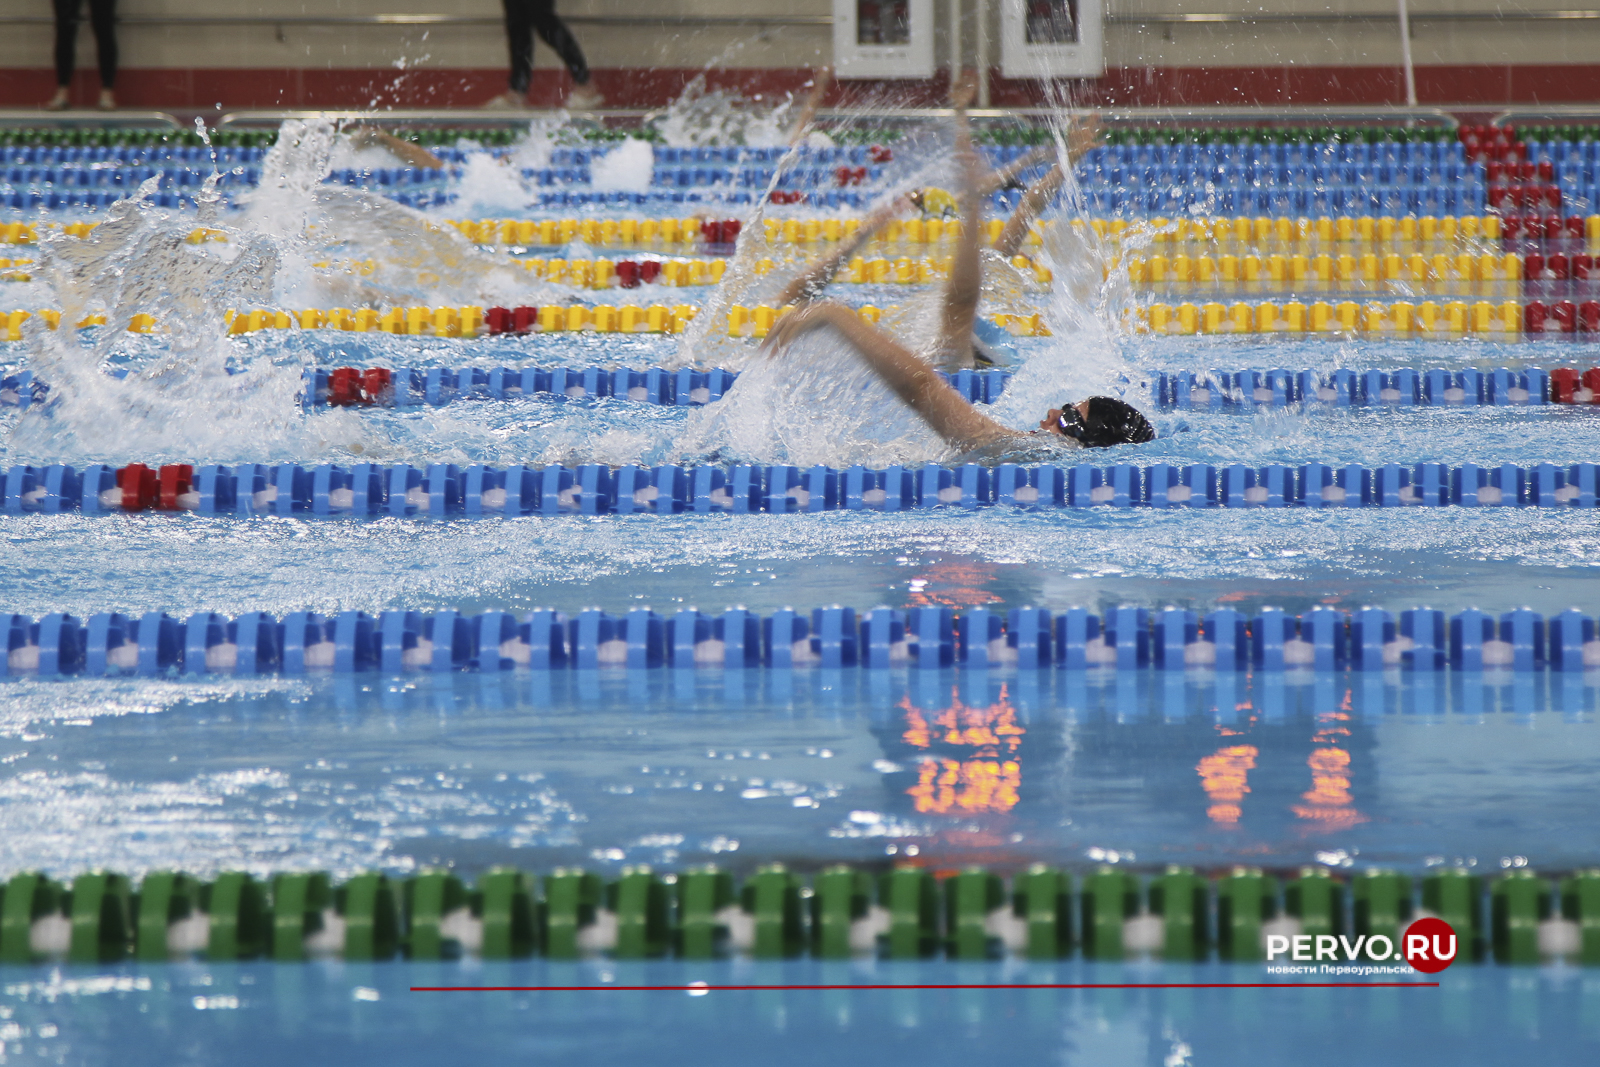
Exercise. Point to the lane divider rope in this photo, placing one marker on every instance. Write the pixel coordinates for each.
(437, 386)
(1042, 913)
(1452, 320)
(447, 490)
(929, 637)
(1397, 389)
(472, 321)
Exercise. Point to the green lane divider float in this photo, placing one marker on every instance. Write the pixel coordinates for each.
(906, 912)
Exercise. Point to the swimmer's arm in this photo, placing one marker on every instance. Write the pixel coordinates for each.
(1020, 223)
(960, 309)
(810, 283)
(408, 153)
(1003, 177)
(1082, 137)
(820, 83)
(922, 388)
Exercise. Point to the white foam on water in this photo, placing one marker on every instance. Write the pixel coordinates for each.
(490, 185)
(288, 248)
(629, 167)
(346, 156)
(533, 150)
(815, 402)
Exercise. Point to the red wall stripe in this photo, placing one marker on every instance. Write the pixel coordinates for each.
(1487, 85)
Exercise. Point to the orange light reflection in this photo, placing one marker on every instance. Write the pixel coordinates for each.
(1224, 776)
(1328, 802)
(953, 585)
(982, 774)
(968, 786)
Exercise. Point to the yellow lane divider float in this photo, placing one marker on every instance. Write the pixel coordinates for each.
(1503, 320)
(1453, 319)
(1402, 234)
(627, 232)
(1489, 274)
(478, 322)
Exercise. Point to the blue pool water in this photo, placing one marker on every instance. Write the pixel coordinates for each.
(198, 1014)
(1493, 771)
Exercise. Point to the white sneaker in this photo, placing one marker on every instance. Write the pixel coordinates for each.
(584, 98)
(507, 101)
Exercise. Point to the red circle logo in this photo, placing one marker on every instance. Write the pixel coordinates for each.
(1429, 945)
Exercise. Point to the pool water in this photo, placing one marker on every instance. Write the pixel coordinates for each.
(811, 767)
(197, 1014)
(1491, 771)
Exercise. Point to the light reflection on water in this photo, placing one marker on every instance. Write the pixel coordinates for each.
(806, 766)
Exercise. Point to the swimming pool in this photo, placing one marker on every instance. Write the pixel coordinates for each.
(1385, 775)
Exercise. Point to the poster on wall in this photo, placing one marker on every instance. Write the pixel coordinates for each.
(1051, 39)
(883, 38)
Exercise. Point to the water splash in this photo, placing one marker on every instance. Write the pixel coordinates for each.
(182, 398)
(291, 173)
(716, 117)
(628, 167)
(490, 185)
(813, 403)
(287, 248)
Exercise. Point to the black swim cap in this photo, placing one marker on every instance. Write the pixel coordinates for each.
(1112, 422)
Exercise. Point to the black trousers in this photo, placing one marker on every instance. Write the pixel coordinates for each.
(103, 17)
(523, 19)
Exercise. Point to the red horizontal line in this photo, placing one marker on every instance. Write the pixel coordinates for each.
(994, 985)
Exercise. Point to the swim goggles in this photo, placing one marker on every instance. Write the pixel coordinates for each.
(1070, 423)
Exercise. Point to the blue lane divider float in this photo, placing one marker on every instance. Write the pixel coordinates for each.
(1223, 390)
(1127, 638)
(437, 386)
(446, 490)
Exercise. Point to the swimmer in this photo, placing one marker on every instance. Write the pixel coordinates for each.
(1098, 422)
(412, 155)
(964, 341)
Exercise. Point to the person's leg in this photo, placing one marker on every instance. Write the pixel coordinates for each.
(66, 12)
(519, 34)
(554, 33)
(103, 19)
